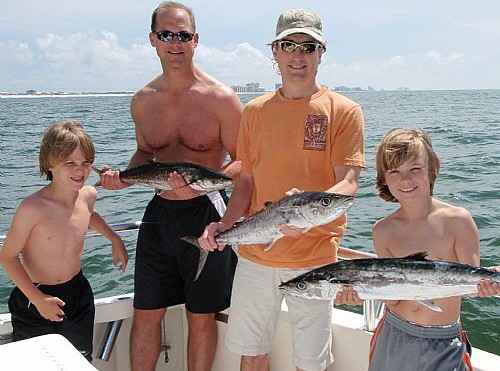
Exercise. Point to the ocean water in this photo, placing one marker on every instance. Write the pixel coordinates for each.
(464, 127)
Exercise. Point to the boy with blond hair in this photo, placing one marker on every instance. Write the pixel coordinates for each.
(411, 336)
(52, 295)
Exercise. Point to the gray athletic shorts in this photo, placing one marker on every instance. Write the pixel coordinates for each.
(400, 345)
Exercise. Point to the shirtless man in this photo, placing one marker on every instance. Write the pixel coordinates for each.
(183, 115)
(49, 229)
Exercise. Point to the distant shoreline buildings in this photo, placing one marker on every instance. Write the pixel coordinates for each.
(252, 88)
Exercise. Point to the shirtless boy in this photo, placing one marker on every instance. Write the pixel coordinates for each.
(411, 336)
(49, 227)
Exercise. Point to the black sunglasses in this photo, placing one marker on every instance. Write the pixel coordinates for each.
(307, 47)
(168, 36)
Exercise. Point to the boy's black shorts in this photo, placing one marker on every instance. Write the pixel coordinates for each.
(77, 325)
(165, 266)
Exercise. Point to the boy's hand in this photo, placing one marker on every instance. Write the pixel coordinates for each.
(347, 296)
(119, 254)
(487, 287)
(50, 308)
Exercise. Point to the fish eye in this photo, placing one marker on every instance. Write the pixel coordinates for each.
(326, 201)
(301, 285)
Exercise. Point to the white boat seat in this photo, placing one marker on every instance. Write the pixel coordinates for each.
(43, 353)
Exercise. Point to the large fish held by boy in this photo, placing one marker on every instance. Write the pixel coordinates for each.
(303, 210)
(155, 174)
(413, 277)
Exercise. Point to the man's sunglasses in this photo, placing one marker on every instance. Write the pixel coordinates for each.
(307, 47)
(168, 36)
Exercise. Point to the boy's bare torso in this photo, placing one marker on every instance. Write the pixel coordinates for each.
(53, 251)
(433, 234)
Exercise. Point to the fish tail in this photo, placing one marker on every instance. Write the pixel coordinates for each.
(203, 254)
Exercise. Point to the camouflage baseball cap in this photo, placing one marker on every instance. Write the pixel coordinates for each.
(301, 21)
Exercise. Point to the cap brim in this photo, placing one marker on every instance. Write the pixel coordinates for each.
(305, 31)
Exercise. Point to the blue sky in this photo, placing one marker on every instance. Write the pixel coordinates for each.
(59, 45)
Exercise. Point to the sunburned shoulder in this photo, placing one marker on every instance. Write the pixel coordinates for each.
(88, 190)
(456, 215)
(215, 89)
(388, 222)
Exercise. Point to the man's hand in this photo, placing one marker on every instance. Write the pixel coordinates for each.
(287, 229)
(179, 186)
(110, 179)
(207, 239)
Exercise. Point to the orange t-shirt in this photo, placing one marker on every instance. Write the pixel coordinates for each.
(296, 143)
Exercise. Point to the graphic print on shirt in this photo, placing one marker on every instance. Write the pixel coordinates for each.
(316, 130)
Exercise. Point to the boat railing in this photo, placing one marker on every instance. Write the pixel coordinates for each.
(372, 309)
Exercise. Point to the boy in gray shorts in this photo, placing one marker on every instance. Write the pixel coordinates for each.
(412, 336)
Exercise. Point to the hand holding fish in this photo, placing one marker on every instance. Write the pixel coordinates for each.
(290, 230)
(487, 287)
(347, 295)
(180, 187)
(110, 179)
(207, 239)
(287, 229)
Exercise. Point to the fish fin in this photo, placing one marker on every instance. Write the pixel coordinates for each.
(203, 254)
(99, 172)
(430, 304)
(421, 255)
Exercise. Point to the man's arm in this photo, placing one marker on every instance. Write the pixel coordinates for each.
(347, 178)
(229, 115)
(238, 205)
(110, 179)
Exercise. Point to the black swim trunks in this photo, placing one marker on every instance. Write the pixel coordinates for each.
(165, 266)
(77, 325)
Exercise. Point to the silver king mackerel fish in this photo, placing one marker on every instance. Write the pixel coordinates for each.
(304, 210)
(155, 174)
(413, 277)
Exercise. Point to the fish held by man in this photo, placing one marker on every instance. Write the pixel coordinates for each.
(413, 277)
(303, 210)
(154, 174)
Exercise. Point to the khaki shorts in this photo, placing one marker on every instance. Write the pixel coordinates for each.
(255, 308)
